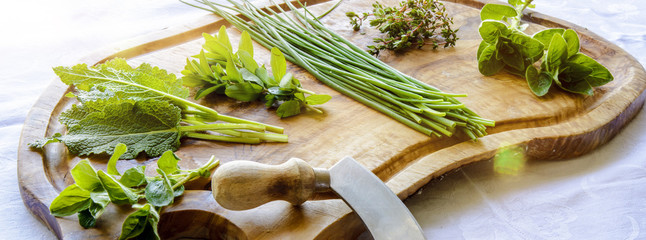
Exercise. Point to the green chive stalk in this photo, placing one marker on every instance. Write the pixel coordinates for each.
(350, 70)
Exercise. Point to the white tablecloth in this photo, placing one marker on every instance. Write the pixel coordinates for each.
(601, 195)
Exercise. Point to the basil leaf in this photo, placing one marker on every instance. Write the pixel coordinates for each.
(289, 108)
(85, 176)
(317, 99)
(71, 200)
(119, 150)
(490, 31)
(572, 40)
(118, 193)
(86, 220)
(497, 12)
(581, 87)
(168, 162)
(488, 64)
(599, 75)
(244, 91)
(545, 36)
(528, 47)
(556, 53)
(135, 223)
(134, 177)
(278, 64)
(539, 83)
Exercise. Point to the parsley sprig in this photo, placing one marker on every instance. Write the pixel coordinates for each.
(414, 23)
(218, 69)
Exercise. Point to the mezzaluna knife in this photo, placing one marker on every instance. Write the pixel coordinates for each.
(241, 185)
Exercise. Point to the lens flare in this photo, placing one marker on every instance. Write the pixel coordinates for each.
(509, 160)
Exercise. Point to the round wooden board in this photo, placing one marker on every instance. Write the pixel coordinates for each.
(558, 126)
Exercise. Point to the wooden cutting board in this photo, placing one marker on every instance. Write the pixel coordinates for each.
(559, 125)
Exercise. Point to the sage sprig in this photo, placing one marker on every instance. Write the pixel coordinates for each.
(94, 190)
(217, 69)
(505, 46)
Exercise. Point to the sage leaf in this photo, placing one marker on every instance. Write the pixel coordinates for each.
(71, 200)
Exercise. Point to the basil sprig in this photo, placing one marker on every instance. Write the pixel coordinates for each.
(505, 46)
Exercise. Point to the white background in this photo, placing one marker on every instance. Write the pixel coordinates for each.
(601, 195)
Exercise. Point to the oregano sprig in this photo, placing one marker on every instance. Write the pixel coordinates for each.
(94, 190)
(415, 23)
(556, 50)
(217, 69)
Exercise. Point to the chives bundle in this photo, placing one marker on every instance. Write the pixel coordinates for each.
(350, 70)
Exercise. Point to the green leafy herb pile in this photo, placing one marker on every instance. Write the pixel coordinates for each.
(352, 71)
(239, 76)
(505, 46)
(414, 23)
(93, 190)
(144, 108)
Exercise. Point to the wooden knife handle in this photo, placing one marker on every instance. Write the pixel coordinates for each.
(241, 185)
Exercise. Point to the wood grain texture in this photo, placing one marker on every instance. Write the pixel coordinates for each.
(558, 126)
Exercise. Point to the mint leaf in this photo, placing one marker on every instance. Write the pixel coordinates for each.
(168, 162)
(159, 192)
(85, 176)
(71, 200)
(134, 177)
(118, 193)
(119, 150)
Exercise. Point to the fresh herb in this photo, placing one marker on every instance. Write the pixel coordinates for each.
(505, 46)
(218, 70)
(350, 70)
(94, 190)
(144, 108)
(413, 23)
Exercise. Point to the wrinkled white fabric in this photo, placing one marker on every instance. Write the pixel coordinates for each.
(596, 196)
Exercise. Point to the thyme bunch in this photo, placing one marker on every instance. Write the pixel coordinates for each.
(414, 23)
